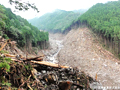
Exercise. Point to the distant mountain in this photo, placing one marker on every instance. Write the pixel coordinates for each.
(80, 11)
(57, 21)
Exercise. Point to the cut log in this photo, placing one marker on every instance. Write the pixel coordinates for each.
(5, 44)
(40, 58)
(9, 55)
(49, 64)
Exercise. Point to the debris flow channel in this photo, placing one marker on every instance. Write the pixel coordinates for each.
(53, 58)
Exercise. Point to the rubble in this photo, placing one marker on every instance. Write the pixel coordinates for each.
(20, 73)
(28, 75)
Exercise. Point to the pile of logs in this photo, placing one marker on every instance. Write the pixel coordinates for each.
(36, 74)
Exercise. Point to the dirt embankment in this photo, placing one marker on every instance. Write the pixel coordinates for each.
(83, 51)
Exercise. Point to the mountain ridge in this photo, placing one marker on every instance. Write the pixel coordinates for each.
(57, 21)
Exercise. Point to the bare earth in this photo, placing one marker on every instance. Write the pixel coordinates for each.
(83, 51)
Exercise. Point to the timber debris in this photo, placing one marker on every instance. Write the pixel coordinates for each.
(37, 76)
(20, 73)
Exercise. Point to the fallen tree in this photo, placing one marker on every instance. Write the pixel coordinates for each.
(18, 72)
(41, 75)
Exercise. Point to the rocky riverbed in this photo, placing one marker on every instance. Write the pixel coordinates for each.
(56, 44)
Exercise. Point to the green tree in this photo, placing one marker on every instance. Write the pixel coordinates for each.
(104, 19)
(19, 29)
(2, 17)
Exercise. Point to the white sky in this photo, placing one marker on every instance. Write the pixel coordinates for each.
(45, 6)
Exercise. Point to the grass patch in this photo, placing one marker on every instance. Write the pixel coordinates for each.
(3, 51)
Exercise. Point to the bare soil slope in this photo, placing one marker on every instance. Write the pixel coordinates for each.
(82, 50)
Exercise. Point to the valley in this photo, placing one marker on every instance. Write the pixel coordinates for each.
(55, 45)
(81, 49)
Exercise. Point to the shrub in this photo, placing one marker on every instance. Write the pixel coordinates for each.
(5, 65)
(5, 36)
(7, 59)
(3, 51)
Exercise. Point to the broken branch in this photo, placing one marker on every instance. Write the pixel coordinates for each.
(4, 44)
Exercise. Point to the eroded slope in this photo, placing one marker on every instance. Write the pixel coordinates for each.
(82, 50)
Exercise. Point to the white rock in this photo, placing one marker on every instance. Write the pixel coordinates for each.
(116, 63)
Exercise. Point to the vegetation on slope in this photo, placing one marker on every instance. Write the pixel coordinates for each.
(18, 29)
(104, 19)
(57, 21)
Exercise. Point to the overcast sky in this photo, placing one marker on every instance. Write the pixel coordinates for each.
(45, 6)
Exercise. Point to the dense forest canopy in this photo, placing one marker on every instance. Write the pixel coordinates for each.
(57, 21)
(18, 29)
(104, 19)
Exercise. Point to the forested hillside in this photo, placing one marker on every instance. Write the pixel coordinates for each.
(57, 21)
(19, 29)
(104, 19)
